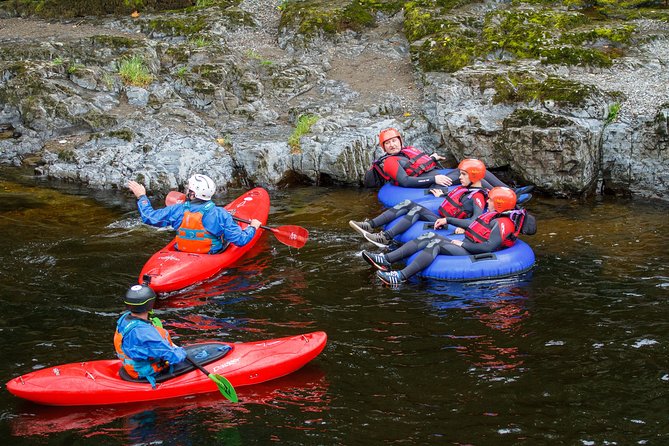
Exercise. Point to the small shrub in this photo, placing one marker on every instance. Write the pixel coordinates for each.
(133, 72)
(303, 126)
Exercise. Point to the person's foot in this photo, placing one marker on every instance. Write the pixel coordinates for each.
(524, 198)
(380, 239)
(361, 227)
(391, 277)
(378, 261)
(523, 190)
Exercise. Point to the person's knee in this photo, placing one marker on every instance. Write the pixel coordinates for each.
(403, 204)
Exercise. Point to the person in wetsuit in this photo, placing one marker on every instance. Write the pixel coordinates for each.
(489, 232)
(465, 201)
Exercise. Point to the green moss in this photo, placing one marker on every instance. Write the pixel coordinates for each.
(175, 26)
(446, 52)
(522, 117)
(312, 17)
(124, 134)
(96, 120)
(569, 55)
(524, 33)
(67, 156)
(515, 87)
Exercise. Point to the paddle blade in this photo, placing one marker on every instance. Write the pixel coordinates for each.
(175, 197)
(294, 236)
(225, 387)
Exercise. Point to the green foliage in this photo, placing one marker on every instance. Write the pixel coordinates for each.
(200, 42)
(574, 56)
(133, 72)
(73, 68)
(181, 72)
(58, 61)
(124, 134)
(614, 109)
(303, 126)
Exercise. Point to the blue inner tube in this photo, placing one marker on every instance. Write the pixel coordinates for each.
(390, 195)
(504, 263)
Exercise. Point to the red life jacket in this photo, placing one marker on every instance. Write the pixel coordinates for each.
(419, 163)
(192, 236)
(480, 229)
(136, 369)
(452, 206)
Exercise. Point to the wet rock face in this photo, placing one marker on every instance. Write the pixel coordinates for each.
(223, 89)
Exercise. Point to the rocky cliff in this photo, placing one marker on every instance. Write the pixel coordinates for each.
(571, 97)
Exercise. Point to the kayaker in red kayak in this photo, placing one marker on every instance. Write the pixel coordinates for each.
(202, 227)
(141, 342)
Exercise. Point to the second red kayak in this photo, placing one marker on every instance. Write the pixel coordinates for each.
(171, 270)
(99, 382)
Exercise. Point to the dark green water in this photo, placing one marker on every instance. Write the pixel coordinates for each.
(574, 353)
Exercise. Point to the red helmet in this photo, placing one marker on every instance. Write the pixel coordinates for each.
(387, 134)
(503, 198)
(474, 168)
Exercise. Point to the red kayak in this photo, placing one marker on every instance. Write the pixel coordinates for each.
(99, 382)
(171, 270)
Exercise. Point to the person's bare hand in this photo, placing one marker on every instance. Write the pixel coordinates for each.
(440, 222)
(442, 180)
(437, 192)
(457, 242)
(255, 223)
(437, 157)
(136, 188)
(459, 230)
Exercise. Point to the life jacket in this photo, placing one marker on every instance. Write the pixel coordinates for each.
(452, 206)
(192, 236)
(419, 163)
(139, 368)
(480, 229)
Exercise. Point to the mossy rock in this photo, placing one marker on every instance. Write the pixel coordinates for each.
(116, 42)
(313, 17)
(177, 26)
(523, 117)
(522, 87)
(124, 134)
(64, 9)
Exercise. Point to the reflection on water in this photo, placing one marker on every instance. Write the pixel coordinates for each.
(303, 392)
(572, 353)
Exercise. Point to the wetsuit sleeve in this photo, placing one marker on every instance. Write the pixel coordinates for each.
(145, 343)
(229, 230)
(394, 167)
(491, 245)
(478, 203)
(167, 216)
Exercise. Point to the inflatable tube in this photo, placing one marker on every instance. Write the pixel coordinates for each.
(390, 194)
(504, 263)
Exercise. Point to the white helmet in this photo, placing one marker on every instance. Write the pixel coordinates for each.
(202, 186)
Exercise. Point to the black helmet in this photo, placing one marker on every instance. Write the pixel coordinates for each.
(140, 298)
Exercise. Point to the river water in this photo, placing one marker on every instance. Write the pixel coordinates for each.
(576, 352)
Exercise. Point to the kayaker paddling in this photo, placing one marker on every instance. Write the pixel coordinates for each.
(202, 227)
(142, 344)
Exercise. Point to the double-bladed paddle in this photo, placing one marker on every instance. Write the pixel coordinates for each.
(291, 235)
(224, 386)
